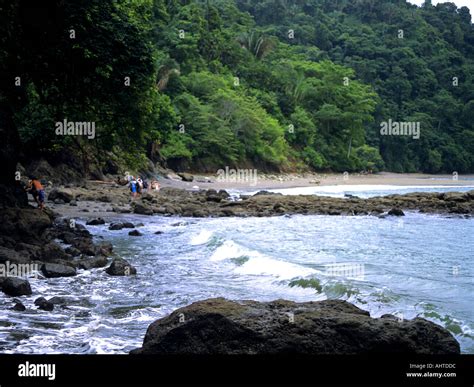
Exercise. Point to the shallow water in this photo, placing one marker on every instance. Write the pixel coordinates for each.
(360, 190)
(418, 265)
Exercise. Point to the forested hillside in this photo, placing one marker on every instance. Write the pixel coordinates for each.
(272, 84)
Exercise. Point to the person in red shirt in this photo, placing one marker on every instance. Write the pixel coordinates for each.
(37, 191)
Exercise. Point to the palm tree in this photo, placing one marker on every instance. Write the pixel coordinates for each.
(298, 88)
(259, 45)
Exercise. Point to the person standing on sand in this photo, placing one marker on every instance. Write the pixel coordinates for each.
(36, 189)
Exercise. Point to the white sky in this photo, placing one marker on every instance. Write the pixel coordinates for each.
(459, 3)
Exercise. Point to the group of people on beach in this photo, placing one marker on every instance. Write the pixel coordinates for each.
(138, 185)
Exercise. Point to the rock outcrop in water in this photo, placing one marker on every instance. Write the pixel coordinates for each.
(210, 203)
(220, 326)
(28, 240)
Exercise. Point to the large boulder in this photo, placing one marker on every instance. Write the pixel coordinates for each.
(88, 263)
(52, 252)
(219, 326)
(14, 286)
(61, 194)
(25, 224)
(120, 267)
(53, 270)
(95, 222)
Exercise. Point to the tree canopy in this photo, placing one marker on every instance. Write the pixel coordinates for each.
(278, 85)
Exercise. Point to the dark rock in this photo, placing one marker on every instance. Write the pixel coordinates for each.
(29, 252)
(85, 245)
(128, 225)
(213, 196)
(219, 326)
(142, 209)
(104, 199)
(14, 286)
(104, 248)
(135, 233)
(44, 304)
(53, 270)
(346, 195)
(116, 226)
(396, 212)
(223, 194)
(119, 267)
(25, 224)
(185, 176)
(72, 251)
(12, 256)
(19, 307)
(63, 195)
(88, 263)
(267, 193)
(158, 232)
(95, 222)
(121, 210)
(52, 252)
(147, 196)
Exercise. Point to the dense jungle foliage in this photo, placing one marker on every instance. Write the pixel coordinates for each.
(273, 84)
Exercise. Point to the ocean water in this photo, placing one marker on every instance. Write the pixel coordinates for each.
(362, 191)
(418, 265)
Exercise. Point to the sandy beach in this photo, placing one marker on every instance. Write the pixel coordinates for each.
(279, 181)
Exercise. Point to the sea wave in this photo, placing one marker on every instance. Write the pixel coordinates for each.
(253, 262)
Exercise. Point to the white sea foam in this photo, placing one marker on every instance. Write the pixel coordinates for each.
(203, 237)
(262, 265)
(229, 249)
(258, 263)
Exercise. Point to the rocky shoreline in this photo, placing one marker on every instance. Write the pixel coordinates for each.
(60, 246)
(32, 242)
(211, 203)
